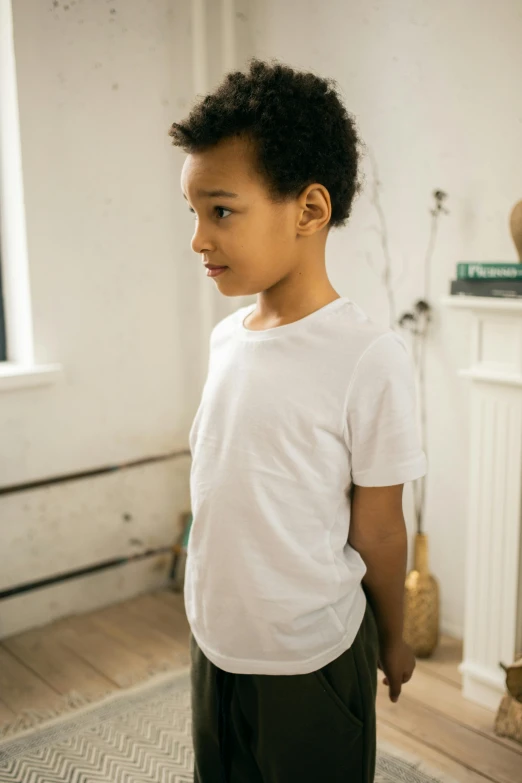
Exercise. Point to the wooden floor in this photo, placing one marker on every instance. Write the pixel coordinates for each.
(110, 648)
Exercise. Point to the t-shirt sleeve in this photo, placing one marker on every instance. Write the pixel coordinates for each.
(380, 416)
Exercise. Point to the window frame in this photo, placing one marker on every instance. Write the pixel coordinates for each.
(18, 368)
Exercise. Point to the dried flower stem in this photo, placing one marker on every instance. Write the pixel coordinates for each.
(419, 488)
(416, 321)
(383, 235)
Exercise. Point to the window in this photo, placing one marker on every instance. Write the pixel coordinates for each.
(20, 368)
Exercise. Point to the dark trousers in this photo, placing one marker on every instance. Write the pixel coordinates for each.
(256, 728)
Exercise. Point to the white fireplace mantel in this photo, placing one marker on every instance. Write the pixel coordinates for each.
(493, 606)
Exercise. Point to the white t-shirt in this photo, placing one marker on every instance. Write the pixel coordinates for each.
(289, 418)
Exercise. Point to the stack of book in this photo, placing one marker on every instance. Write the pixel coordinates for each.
(488, 279)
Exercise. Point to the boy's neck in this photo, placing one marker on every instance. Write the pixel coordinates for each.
(293, 298)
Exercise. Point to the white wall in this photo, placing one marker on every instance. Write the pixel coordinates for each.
(110, 262)
(113, 279)
(436, 91)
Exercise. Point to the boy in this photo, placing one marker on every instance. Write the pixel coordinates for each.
(301, 445)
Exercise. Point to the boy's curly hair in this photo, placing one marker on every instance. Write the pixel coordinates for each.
(301, 131)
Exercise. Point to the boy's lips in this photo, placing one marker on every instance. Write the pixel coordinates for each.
(214, 271)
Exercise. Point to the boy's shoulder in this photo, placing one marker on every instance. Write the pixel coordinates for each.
(356, 334)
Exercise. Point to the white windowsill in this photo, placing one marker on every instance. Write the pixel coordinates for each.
(23, 376)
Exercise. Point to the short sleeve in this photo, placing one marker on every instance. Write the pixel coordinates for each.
(380, 416)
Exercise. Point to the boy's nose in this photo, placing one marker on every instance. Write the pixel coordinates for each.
(201, 243)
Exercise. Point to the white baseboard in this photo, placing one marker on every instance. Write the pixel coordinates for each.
(481, 687)
(83, 594)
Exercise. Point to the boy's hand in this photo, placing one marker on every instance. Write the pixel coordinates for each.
(397, 661)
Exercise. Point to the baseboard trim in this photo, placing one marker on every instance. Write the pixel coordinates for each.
(82, 594)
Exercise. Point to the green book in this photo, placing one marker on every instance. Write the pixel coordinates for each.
(500, 270)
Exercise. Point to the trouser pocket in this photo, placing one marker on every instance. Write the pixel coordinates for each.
(340, 683)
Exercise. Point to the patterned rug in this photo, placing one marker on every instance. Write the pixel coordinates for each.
(139, 735)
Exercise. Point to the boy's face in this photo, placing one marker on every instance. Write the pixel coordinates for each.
(244, 231)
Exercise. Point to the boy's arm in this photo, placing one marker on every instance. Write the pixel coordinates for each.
(378, 534)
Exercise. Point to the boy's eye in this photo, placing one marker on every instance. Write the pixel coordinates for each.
(218, 211)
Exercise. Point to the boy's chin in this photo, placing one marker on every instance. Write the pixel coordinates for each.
(233, 288)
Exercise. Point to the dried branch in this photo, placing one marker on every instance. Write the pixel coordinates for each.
(417, 321)
(382, 231)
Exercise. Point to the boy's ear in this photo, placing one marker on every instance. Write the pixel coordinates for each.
(314, 210)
